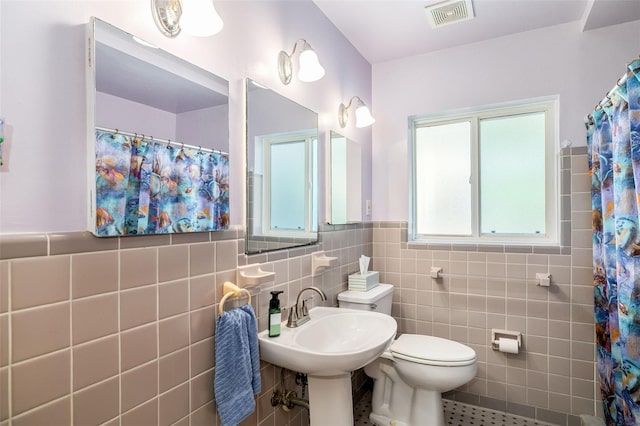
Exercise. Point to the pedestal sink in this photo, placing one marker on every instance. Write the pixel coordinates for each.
(328, 348)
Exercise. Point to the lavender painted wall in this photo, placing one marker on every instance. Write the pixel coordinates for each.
(205, 127)
(117, 113)
(43, 94)
(562, 60)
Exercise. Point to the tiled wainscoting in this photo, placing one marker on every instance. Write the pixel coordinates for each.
(120, 331)
(553, 377)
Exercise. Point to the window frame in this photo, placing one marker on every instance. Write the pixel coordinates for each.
(308, 137)
(548, 105)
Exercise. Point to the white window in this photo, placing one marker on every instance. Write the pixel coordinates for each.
(486, 175)
(290, 183)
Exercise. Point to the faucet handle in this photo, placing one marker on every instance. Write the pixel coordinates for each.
(292, 319)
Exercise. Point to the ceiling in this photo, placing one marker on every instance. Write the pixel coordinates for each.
(384, 30)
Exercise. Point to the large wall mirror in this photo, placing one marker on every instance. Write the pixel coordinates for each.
(141, 98)
(346, 180)
(282, 172)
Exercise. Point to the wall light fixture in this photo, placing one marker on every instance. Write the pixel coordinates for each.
(196, 17)
(363, 115)
(309, 69)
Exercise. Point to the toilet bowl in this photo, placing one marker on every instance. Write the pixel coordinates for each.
(414, 371)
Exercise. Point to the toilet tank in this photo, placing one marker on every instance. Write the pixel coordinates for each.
(377, 299)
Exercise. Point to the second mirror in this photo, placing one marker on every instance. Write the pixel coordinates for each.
(282, 172)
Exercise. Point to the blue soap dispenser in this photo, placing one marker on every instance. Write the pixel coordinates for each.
(275, 315)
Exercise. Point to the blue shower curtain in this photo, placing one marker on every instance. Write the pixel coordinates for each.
(144, 187)
(613, 141)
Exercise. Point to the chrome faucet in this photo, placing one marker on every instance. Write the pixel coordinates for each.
(299, 314)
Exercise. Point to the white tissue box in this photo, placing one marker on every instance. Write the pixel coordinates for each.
(364, 282)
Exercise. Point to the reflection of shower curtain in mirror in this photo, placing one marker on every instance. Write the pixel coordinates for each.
(613, 140)
(145, 187)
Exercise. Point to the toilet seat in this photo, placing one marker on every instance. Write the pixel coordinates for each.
(431, 350)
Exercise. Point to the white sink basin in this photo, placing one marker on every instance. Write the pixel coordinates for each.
(328, 347)
(335, 341)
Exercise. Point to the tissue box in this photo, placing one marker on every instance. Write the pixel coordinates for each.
(364, 282)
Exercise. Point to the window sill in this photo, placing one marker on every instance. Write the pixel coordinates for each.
(490, 247)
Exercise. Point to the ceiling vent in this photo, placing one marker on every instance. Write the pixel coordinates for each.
(449, 12)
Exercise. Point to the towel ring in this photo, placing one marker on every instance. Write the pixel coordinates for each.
(231, 290)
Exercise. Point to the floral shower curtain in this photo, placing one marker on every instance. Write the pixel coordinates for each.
(613, 141)
(145, 187)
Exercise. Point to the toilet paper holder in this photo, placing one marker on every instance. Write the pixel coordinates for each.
(497, 334)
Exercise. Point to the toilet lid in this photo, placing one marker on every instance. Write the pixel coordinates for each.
(432, 350)
(366, 297)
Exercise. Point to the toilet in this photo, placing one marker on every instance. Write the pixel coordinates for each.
(414, 371)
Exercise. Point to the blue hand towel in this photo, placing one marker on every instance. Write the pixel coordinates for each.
(254, 347)
(237, 373)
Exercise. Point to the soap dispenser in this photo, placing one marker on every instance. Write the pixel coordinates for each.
(275, 316)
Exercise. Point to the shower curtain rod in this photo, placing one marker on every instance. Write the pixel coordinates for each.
(607, 98)
(167, 142)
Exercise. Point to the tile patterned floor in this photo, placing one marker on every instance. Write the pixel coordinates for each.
(456, 414)
(361, 411)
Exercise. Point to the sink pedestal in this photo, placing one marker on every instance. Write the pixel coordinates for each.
(327, 348)
(330, 400)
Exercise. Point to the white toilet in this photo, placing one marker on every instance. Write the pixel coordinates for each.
(410, 376)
